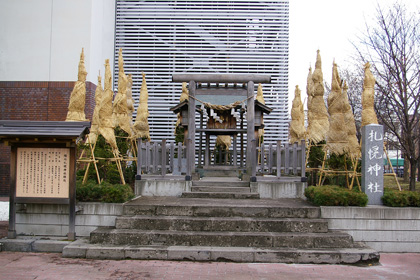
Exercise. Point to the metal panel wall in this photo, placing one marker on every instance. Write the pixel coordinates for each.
(161, 38)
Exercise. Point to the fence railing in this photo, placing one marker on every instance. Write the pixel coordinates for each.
(276, 161)
(162, 159)
(281, 160)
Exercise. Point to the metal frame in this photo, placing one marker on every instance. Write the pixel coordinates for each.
(160, 38)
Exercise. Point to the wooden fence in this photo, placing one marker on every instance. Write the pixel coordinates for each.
(281, 160)
(162, 159)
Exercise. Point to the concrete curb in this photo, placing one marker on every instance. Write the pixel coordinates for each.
(34, 244)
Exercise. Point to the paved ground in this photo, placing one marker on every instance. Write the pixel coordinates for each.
(52, 266)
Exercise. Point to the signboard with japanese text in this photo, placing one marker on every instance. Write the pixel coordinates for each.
(373, 163)
(42, 172)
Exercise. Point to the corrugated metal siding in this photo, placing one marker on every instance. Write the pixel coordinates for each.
(166, 37)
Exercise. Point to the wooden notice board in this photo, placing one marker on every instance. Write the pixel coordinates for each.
(42, 172)
(42, 164)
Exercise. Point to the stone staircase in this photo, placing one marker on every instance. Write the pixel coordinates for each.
(221, 229)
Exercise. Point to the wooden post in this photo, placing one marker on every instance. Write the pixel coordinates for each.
(147, 156)
(72, 195)
(207, 154)
(179, 157)
(172, 156)
(155, 156)
(278, 159)
(295, 159)
(163, 164)
(200, 145)
(303, 160)
(235, 154)
(242, 138)
(11, 234)
(191, 131)
(139, 159)
(286, 158)
(262, 157)
(250, 151)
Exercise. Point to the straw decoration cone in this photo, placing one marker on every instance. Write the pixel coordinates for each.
(297, 124)
(260, 98)
(368, 112)
(319, 125)
(337, 135)
(130, 100)
(184, 93)
(106, 128)
(94, 128)
(224, 141)
(141, 126)
(76, 111)
(353, 147)
(260, 95)
(309, 87)
(310, 94)
(120, 109)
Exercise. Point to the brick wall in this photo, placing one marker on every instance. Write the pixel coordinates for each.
(35, 101)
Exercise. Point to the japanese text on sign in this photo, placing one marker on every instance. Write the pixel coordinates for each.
(42, 172)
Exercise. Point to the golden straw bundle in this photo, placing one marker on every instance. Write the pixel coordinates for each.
(318, 126)
(120, 109)
(76, 110)
(337, 134)
(106, 128)
(368, 112)
(297, 124)
(353, 147)
(94, 128)
(141, 126)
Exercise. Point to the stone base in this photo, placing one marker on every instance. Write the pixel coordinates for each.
(279, 189)
(161, 187)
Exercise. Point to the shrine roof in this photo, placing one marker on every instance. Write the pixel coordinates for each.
(263, 107)
(59, 129)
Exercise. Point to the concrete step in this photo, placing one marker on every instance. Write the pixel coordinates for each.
(220, 182)
(221, 189)
(226, 195)
(211, 173)
(233, 224)
(205, 207)
(82, 249)
(296, 240)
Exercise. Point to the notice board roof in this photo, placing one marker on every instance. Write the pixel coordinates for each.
(41, 129)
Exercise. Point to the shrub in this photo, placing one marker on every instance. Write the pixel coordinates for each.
(396, 198)
(104, 192)
(335, 196)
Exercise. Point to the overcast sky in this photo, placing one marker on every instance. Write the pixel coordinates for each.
(329, 26)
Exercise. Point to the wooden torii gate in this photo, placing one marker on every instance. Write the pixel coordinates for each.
(195, 82)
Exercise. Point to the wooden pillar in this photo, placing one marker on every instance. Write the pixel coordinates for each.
(11, 234)
(235, 154)
(207, 154)
(191, 132)
(251, 145)
(242, 139)
(71, 235)
(200, 145)
(139, 159)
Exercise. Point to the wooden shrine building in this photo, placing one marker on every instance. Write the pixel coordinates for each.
(240, 118)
